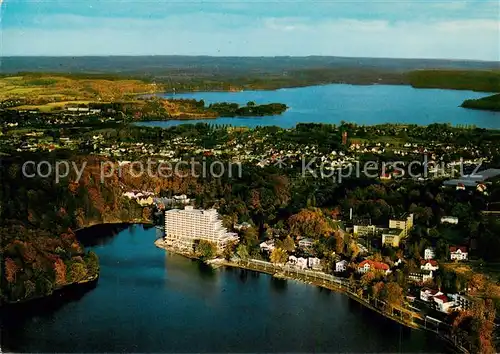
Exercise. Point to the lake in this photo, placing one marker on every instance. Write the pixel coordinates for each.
(148, 300)
(366, 105)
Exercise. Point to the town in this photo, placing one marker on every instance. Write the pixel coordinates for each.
(413, 236)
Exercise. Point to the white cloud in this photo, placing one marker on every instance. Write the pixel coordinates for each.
(217, 34)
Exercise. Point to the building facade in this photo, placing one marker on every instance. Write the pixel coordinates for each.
(405, 223)
(459, 253)
(392, 237)
(429, 253)
(185, 227)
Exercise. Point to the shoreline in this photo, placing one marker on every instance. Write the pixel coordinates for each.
(55, 292)
(217, 263)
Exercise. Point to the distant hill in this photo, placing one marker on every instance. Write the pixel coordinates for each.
(161, 65)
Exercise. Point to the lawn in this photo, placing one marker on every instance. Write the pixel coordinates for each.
(39, 89)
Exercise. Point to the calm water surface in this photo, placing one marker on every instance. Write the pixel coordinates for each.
(150, 301)
(368, 105)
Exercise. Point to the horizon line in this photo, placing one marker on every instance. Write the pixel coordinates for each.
(235, 56)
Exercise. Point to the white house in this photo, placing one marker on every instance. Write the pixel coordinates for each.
(458, 253)
(341, 266)
(306, 242)
(267, 246)
(421, 277)
(368, 265)
(427, 294)
(443, 304)
(429, 264)
(292, 260)
(449, 220)
(301, 263)
(429, 253)
(314, 263)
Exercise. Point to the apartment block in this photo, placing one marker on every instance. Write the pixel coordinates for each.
(185, 227)
(405, 223)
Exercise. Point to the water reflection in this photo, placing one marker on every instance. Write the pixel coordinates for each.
(14, 318)
(100, 235)
(279, 285)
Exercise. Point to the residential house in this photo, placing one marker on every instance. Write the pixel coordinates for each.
(421, 276)
(429, 253)
(242, 226)
(314, 263)
(481, 188)
(145, 201)
(341, 266)
(368, 265)
(301, 263)
(458, 253)
(427, 294)
(267, 246)
(449, 220)
(442, 303)
(181, 199)
(306, 243)
(429, 264)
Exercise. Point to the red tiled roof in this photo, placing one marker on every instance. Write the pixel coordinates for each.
(373, 264)
(431, 292)
(455, 248)
(441, 297)
(431, 261)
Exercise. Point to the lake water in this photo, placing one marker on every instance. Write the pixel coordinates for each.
(368, 105)
(147, 300)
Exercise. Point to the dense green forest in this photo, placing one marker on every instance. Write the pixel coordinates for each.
(490, 103)
(475, 80)
(39, 250)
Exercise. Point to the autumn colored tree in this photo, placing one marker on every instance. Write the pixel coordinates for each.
(29, 288)
(393, 294)
(242, 251)
(78, 271)
(368, 278)
(289, 244)
(310, 223)
(60, 271)
(339, 242)
(377, 289)
(279, 256)
(206, 249)
(146, 213)
(11, 269)
(229, 251)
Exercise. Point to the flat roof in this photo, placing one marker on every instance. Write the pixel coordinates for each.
(392, 231)
(473, 179)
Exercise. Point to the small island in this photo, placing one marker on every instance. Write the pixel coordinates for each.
(154, 108)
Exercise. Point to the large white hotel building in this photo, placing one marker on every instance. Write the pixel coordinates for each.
(183, 227)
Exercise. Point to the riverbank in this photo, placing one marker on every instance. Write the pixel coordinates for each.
(315, 278)
(116, 222)
(82, 284)
(401, 316)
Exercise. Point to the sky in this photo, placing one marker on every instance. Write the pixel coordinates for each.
(444, 29)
